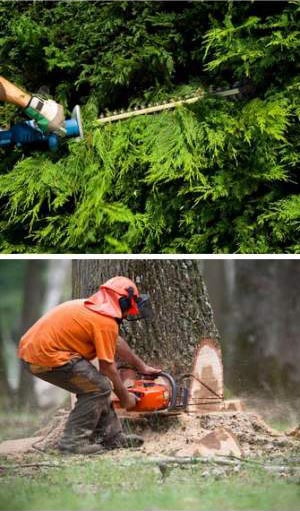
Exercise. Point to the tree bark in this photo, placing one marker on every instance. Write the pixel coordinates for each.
(34, 287)
(182, 312)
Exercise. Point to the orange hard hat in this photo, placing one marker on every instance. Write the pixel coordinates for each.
(108, 299)
(121, 285)
(127, 291)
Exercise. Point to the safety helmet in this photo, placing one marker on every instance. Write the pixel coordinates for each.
(132, 303)
(119, 298)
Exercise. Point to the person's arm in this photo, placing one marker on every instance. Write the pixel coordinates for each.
(12, 94)
(48, 114)
(127, 355)
(127, 399)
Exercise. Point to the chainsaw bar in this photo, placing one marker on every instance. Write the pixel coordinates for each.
(167, 105)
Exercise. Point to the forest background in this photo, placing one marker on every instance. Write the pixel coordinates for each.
(255, 308)
(219, 176)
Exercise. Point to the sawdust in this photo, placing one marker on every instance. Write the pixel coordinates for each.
(254, 436)
(178, 435)
(18, 447)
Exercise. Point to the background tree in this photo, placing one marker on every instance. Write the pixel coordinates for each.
(29, 289)
(34, 288)
(220, 176)
(182, 312)
(256, 305)
(11, 278)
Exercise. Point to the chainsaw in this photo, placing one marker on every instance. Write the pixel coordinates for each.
(160, 392)
(27, 133)
(155, 393)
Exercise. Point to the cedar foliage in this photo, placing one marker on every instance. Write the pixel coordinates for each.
(219, 176)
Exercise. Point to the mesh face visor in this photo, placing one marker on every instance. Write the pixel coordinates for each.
(145, 310)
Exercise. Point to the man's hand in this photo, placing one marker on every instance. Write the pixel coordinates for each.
(127, 399)
(48, 115)
(130, 401)
(145, 369)
(127, 355)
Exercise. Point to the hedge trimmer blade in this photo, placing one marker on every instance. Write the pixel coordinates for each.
(167, 105)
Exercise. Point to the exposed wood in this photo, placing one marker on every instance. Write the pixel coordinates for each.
(221, 441)
(295, 433)
(206, 392)
(231, 405)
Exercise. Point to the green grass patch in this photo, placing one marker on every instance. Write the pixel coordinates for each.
(127, 483)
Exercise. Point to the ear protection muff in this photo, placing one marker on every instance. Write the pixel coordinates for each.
(128, 303)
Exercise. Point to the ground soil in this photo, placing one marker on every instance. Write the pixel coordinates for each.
(176, 435)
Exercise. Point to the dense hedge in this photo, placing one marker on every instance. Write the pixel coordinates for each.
(220, 176)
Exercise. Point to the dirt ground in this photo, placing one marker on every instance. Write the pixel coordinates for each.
(177, 435)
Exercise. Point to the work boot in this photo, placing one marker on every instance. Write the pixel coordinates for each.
(123, 441)
(82, 449)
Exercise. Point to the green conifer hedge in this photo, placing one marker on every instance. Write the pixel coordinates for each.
(218, 176)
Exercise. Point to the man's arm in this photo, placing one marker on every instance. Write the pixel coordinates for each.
(127, 355)
(12, 94)
(48, 114)
(127, 399)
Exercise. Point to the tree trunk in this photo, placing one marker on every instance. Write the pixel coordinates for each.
(182, 312)
(260, 322)
(33, 296)
(6, 394)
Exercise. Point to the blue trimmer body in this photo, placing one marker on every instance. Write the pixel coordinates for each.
(28, 134)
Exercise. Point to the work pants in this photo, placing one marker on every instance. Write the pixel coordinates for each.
(93, 417)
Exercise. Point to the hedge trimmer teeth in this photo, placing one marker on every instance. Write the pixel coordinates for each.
(170, 104)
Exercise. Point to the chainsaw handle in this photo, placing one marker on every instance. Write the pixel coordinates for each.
(172, 383)
(168, 377)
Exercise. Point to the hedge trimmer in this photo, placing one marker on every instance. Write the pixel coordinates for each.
(28, 133)
(167, 105)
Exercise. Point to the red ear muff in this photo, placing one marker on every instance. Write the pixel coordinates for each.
(133, 310)
(128, 303)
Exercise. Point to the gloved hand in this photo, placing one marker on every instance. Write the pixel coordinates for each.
(48, 115)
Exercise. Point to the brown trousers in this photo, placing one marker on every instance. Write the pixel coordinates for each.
(93, 417)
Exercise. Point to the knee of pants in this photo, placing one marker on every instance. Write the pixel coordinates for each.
(96, 389)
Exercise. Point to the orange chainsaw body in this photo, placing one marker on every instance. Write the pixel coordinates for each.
(152, 396)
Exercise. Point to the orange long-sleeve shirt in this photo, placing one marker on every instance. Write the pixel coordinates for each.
(69, 330)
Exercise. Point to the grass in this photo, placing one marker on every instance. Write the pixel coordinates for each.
(126, 482)
(129, 484)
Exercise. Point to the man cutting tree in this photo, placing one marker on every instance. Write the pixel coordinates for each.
(48, 114)
(58, 349)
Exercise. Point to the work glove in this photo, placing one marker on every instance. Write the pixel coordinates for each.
(48, 115)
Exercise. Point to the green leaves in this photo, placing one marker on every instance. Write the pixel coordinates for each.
(217, 176)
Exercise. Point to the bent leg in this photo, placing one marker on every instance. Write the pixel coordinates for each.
(93, 392)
